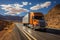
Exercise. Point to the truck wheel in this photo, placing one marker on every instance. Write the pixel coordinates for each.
(34, 28)
(23, 24)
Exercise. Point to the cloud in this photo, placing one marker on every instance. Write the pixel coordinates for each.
(13, 9)
(39, 6)
(10, 14)
(36, 7)
(30, 3)
(46, 4)
(25, 3)
(19, 5)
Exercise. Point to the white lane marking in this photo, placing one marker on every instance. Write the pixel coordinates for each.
(27, 36)
(24, 33)
(30, 35)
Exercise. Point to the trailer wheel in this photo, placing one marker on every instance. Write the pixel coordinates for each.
(23, 24)
(34, 29)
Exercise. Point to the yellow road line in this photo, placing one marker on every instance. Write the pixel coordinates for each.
(30, 35)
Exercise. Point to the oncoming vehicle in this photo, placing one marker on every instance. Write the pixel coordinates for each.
(34, 20)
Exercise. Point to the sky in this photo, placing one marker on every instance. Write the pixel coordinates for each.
(22, 7)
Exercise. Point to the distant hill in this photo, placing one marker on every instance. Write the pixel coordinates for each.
(11, 18)
(1, 17)
(53, 17)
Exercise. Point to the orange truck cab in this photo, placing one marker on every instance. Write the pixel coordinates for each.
(34, 20)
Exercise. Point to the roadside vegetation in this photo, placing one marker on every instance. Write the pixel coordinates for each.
(5, 24)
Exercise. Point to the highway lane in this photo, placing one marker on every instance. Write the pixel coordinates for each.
(36, 35)
(29, 37)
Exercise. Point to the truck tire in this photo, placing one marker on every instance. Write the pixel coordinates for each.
(23, 24)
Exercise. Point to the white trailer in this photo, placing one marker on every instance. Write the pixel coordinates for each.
(25, 19)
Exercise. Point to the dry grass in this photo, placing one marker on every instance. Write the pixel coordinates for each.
(5, 24)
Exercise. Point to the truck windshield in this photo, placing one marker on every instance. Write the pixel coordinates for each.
(38, 17)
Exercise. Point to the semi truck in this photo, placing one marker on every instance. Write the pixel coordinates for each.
(34, 20)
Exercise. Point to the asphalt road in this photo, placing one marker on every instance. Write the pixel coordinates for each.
(20, 32)
(36, 35)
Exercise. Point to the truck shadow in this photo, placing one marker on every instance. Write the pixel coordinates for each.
(47, 30)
